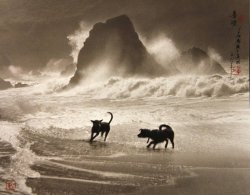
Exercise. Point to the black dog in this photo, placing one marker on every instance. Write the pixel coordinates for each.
(160, 128)
(100, 127)
(158, 136)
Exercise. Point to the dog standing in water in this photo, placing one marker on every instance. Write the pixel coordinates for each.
(158, 136)
(100, 127)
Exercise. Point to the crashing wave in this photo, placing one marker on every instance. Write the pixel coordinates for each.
(180, 86)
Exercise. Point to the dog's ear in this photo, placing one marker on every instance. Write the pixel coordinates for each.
(140, 129)
(100, 120)
(92, 121)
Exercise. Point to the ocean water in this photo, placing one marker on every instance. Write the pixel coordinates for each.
(44, 137)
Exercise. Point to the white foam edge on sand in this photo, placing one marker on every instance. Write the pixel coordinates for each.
(102, 173)
(78, 180)
(19, 168)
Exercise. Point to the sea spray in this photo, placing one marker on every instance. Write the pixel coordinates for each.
(76, 40)
(179, 86)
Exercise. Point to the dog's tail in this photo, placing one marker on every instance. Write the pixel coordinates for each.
(166, 126)
(170, 132)
(111, 117)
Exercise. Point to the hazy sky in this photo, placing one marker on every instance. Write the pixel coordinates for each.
(34, 31)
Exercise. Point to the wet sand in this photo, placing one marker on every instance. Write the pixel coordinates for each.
(196, 180)
(147, 172)
(206, 182)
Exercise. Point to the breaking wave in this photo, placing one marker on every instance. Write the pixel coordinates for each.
(179, 86)
(135, 87)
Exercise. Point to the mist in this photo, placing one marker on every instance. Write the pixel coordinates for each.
(77, 39)
(162, 48)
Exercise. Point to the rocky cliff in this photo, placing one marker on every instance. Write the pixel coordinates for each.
(115, 45)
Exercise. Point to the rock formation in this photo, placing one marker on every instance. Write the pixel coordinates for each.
(196, 61)
(115, 45)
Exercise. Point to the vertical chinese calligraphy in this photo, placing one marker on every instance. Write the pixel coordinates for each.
(236, 22)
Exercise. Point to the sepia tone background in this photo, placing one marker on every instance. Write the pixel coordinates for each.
(33, 32)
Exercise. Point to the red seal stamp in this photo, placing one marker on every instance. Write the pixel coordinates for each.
(236, 70)
(10, 184)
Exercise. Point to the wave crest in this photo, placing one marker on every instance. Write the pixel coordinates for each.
(180, 86)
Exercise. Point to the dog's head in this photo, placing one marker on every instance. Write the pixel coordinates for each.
(96, 124)
(144, 133)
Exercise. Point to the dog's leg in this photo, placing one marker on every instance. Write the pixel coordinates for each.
(106, 135)
(150, 144)
(154, 145)
(148, 140)
(166, 145)
(172, 142)
(94, 136)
